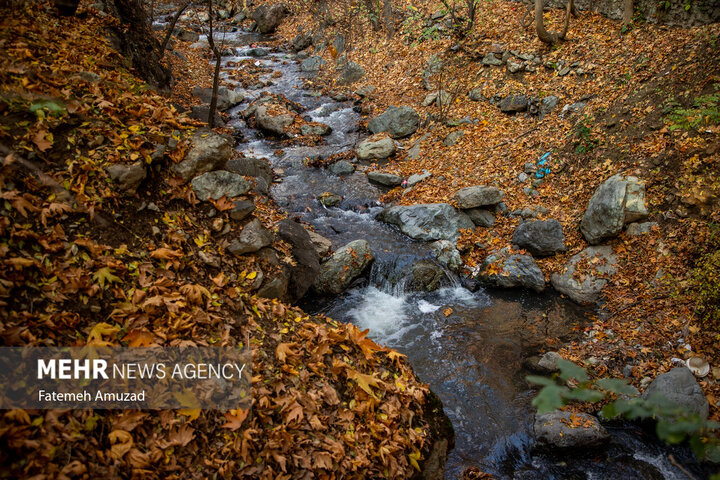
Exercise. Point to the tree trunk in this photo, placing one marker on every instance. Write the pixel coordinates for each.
(389, 18)
(542, 33)
(216, 75)
(169, 32)
(628, 12)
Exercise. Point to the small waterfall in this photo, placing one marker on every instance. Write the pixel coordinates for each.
(399, 275)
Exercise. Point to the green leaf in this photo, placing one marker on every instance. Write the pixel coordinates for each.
(550, 398)
(538, 380)
(569, 370)
(616, 386)
(585, 395)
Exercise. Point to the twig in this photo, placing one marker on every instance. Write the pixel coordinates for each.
(680, 467)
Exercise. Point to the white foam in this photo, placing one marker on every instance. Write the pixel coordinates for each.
(381, 312)
(427, 307)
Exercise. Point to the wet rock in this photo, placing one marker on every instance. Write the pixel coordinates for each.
(350, 73)
(514, 104)
(508, 270)
(202, 113)
(257, 52)
(387, 179)
(453, 137)
(186, 35)
(427, 222)
(328, 199)
(636, 229)
(378, 146)
(342, 167)
(478, 196)
(617, 201)
(252, 238)
(427, 276)
(438, 97)
(127, 177)
(399, 122)
(416, 178)
(268, 17)
(272, 122)
(208, 151)
(319, 129)
(481, 217)
(446, 252)
(241, 209)
(322, 245)
(564, 430)
(586, 288)
(251, 167)
(218, 184)
(679, 387)
(307, 261)
(343, 267)
(302, 41)
(312, 64)
(540, 237)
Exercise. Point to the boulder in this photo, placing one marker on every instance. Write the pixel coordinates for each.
(481, 217)
(322, 245)
(564, 430)
(679, 387)
(226, 98)
(387, 179)
(427, 276)
(343, 267)
(252, 238)
(540, 237)
(399, 122)
(218, 184)
(376, 147)
(427, 222)
(312, 64)
(586, 288)
(617, 201)
(128, 177)
(350, 73)
(208, 151)
(268, 17)
(343, 167)
(272, 122)
(514, 104)
(636, 229)
(307, 261)
(202, 113)
(508, 270)
(241, 209)
(328, 199)
(186, 35)
(258, 168)
(478, 196)
(446, 252)
(318, 129)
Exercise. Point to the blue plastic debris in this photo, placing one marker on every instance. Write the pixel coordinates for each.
(543, 168)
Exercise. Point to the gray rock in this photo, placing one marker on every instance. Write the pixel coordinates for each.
(586, 289)
(523, 177)
(511, 270)
(307, 261)
(446, 252)
(275, 124)
(476, 95)
(491, 60)
(257, 52)
(478, 196)
(365, 90)
(513, 66)
(328, 199)
(399, 122)
(202, 113)
(540, 237)
(208, 151)
(128, 177)
(241, 209)
(558, 430)
(679, 387)
(568, 110)
(342, 167)
(481, 217)
(530, 168)
(414, 152)
(321, 130)
(376, 147)
(339, 43)
(268, 17)
(302, 41)
(387, 179)
(416, 178)
(453, 137)
(549, 362)
(226, 98)
(427, 222)
(343, 267)
(514, 104)
(548, 104)
(251, 167)
(322, 245)
(218, 184)
(427, 276)
(350, 73)
(619, 200)
(312, 64)
(275, 288)
(636, 229)
(252, 238)
(186, 35)
(438, 97)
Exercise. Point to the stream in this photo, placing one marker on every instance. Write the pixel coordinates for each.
(472, 357)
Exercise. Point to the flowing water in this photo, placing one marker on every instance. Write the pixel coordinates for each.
(469, 347)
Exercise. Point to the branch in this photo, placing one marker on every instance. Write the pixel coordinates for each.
(168, 34)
